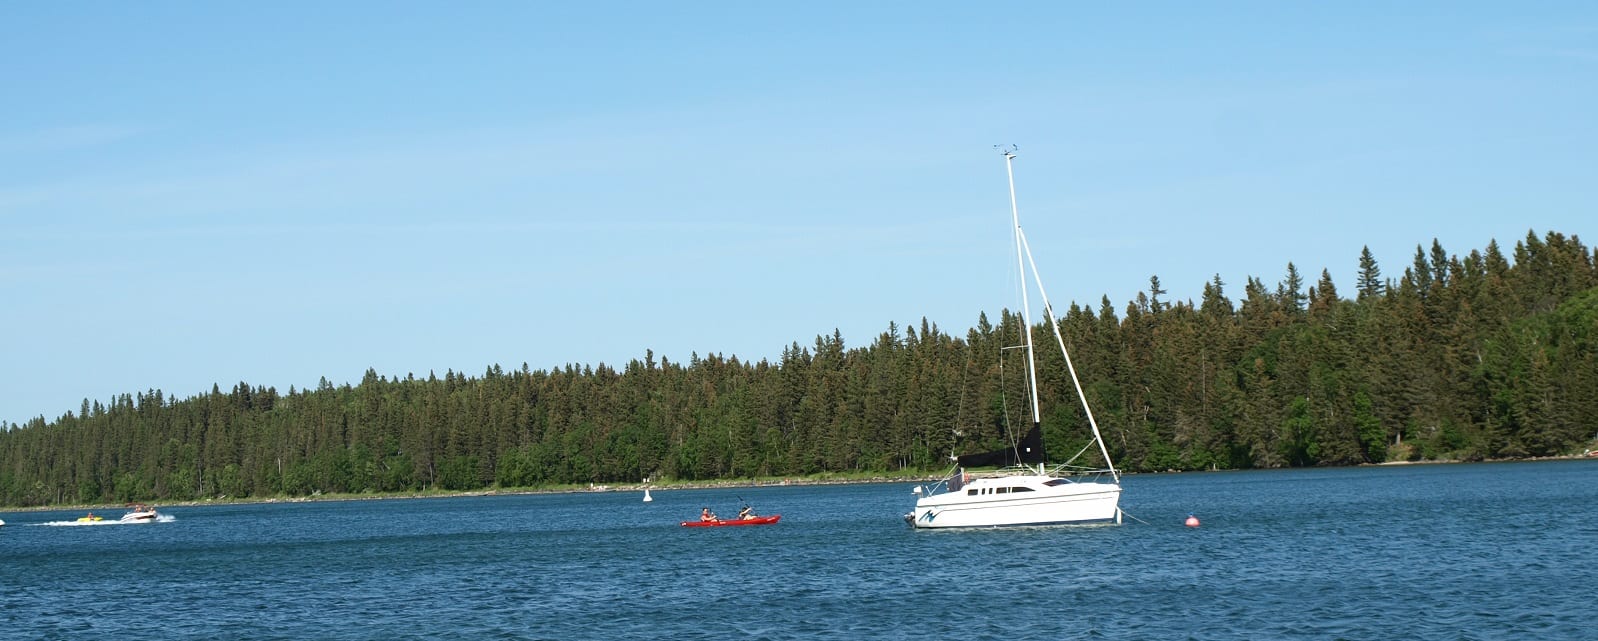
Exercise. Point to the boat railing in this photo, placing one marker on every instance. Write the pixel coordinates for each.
(1067, 470)
(1063, 470)
(951, 482)
(958, 477)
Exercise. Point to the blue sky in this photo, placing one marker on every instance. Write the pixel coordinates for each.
(273, 193)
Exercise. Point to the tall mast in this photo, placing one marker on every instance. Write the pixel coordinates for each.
(1023, 258)
(1020, 267)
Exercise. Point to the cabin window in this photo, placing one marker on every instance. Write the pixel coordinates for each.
(1003, 490)
(1053, 482)
(971, 492)
(1020, 489)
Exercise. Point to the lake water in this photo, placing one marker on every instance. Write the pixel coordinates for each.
(1481, 551)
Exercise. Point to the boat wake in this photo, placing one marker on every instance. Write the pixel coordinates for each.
(164, 518)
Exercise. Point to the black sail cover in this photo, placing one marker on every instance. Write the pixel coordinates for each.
(1029, 451)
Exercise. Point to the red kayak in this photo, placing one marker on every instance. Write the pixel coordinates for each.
(759, 520)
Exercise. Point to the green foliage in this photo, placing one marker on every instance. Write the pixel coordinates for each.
(1371, 436)
(1460, 358)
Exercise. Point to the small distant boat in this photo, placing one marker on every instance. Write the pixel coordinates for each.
(758, 520)
(140, 514)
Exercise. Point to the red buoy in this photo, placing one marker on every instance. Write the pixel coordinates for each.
(1192, 521)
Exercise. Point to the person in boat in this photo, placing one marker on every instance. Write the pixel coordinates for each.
(746, 513)
(706, 515)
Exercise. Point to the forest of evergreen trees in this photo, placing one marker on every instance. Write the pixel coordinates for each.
(1460, 358)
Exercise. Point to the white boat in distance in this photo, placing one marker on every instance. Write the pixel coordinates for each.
(1024, 491)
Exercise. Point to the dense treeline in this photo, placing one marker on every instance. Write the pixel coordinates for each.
(1459, 358)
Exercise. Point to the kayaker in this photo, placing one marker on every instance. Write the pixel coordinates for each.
(746, 513)
(706, 515)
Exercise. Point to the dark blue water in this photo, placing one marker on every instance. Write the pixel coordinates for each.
(1490, 551)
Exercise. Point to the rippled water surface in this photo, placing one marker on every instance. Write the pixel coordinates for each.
(1488, 551)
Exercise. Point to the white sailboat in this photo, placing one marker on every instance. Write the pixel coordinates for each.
(1025, 491)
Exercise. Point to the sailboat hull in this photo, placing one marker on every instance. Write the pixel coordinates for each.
(1019, 501)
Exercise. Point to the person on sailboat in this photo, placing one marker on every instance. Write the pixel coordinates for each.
(706, 515)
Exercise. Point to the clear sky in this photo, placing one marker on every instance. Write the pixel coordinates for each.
(208, 193)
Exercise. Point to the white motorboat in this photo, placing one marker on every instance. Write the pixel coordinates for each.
(1024, 491)
(140, 514)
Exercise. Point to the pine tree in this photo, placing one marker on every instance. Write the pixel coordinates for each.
(1370, 276)
(1290, 292)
